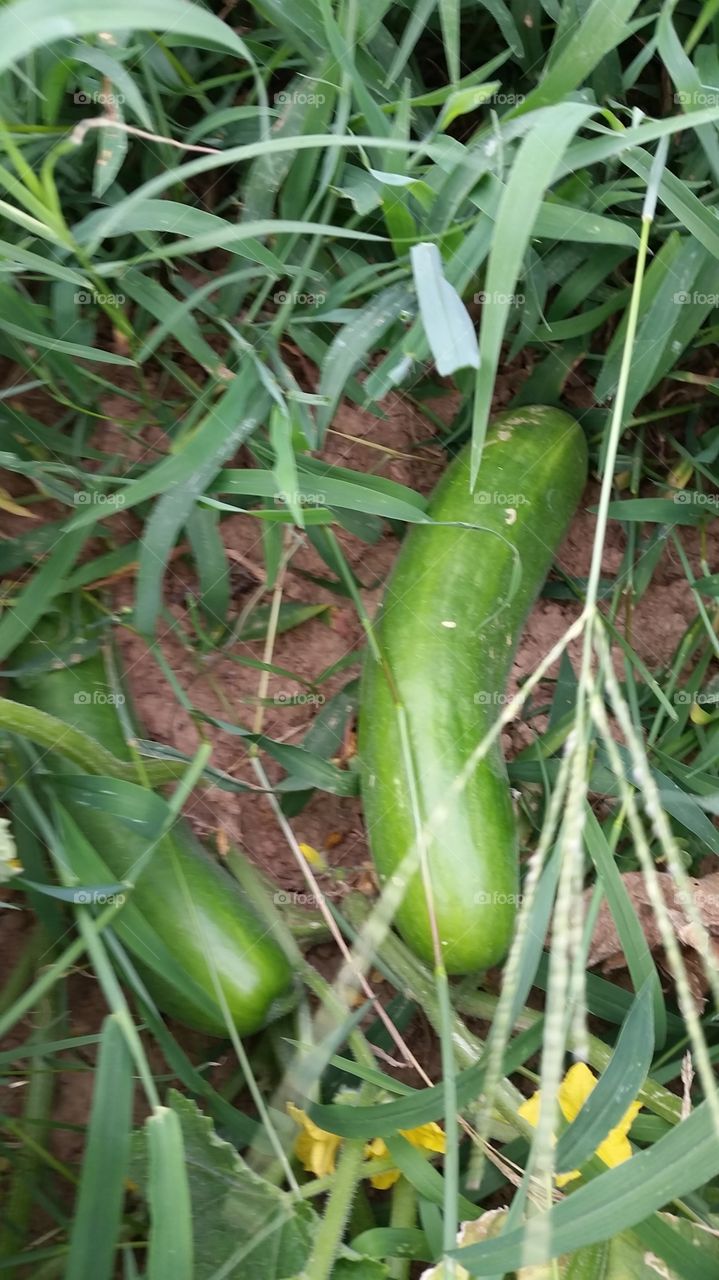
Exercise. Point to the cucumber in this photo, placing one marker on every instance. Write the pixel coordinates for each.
(447, 628)
(183, 907)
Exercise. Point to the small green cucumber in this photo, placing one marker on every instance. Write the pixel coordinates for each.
(448, 626)
(197, 913)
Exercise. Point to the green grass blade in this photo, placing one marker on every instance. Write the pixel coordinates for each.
(228, 425)
(34, 599)
(640, 961)
(447, 324)
(449, 19)
(98, 1208)
(170, 1250)
(602, 28)
(677, 1164)
(616, 1088)
(534, 166)
(34, 24)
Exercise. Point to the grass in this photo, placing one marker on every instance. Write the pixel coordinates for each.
(198, 208)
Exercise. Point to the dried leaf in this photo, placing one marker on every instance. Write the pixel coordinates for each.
(606, 951)
(7, 503)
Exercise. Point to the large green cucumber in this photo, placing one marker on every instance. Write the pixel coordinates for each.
(448, 626)
(196, 913)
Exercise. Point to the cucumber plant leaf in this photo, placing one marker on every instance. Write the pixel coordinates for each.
(242, 1224)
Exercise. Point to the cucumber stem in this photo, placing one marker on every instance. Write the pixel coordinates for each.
(403, 1213)
(303, 923)
(328, 1240)
(55, 735)
(418, 982)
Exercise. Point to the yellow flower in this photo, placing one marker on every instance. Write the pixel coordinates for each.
(378, 1148)
(427, 1137)
(315, 1147)
(573, 1093)
(699, 714)
(313, 856)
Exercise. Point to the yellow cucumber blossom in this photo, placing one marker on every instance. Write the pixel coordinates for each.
(317, 1149)
(426, 1137)
(573, 1093)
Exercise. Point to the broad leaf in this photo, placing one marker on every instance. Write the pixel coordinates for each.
(242, 1225)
